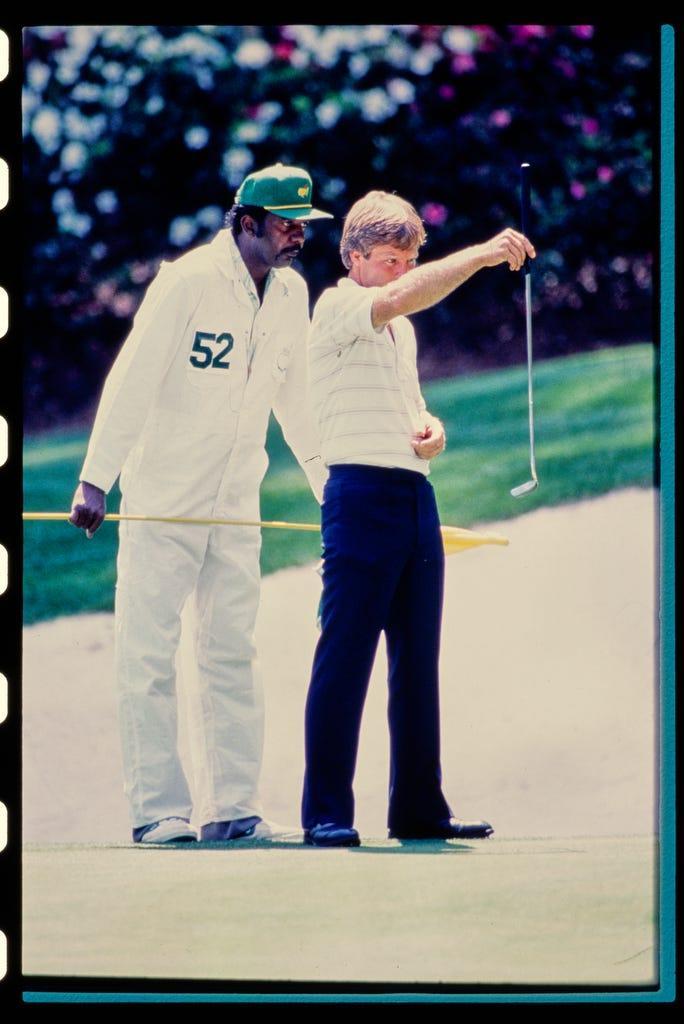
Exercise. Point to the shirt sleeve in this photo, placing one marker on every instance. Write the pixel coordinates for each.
(135, 376)
(293, 409)
(344, 314)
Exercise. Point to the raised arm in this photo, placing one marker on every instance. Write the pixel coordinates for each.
(427, 285)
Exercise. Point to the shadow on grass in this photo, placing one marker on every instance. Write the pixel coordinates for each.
(419, 846)
(392, 846)
(372, 846)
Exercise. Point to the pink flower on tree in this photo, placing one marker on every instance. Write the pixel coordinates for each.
(522, 33)
(566, 67)
(123, 304)
(105, 292)
(582, 31)
(447, 92)
(590, 125)
(283, 49)
(605, 174)
(434, 213)
(577, 190)
(463, 62)
(500, 118)
(488, 40)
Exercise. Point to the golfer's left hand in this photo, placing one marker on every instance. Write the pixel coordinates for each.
(430, 441)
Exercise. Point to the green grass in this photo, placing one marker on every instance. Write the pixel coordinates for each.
(594, 424)
(513, 911)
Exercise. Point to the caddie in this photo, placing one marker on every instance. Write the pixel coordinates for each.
(218, 341)
(383, 558)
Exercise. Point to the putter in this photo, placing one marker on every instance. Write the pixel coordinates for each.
(530, 485)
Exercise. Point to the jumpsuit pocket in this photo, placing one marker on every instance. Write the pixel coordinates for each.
(280, 365)
(215, 393)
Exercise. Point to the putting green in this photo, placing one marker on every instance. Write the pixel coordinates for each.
(526, 911)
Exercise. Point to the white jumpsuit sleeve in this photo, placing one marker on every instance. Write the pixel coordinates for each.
(293, 410)
(136, 375)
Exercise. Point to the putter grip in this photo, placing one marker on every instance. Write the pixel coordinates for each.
(525, 206)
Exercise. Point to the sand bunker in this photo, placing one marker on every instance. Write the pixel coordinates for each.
(549, 661)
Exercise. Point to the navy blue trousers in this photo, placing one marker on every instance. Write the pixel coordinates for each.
(383, 570)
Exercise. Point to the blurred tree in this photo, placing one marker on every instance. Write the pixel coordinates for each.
(137, 136)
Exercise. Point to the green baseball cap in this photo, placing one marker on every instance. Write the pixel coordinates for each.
(282, 190)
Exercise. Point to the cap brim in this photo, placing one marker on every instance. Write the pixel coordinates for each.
(296, 213)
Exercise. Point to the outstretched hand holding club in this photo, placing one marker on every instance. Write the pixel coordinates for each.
(509, 246)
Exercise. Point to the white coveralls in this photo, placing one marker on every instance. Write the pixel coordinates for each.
(183, 416)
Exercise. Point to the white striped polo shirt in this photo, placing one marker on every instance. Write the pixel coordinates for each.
(364, 383)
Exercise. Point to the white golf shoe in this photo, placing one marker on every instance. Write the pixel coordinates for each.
(272, 830)
(168, 830)
(248, 828)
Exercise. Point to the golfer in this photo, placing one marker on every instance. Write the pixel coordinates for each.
(219, 341)
(383, 565)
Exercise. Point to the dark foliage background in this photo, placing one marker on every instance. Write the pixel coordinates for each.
(137, 136)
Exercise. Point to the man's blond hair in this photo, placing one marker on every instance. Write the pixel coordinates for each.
(380, 218)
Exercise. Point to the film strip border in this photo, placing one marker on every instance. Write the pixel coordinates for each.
(10, 508)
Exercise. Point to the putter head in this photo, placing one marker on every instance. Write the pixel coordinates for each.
(518, 492)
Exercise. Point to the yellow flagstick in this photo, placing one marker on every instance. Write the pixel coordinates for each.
(455, 537)
(116, 517)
